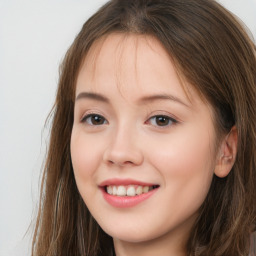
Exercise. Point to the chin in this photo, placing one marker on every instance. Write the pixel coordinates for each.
(131, 234)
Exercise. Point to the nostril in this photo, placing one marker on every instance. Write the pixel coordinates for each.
(125, 163)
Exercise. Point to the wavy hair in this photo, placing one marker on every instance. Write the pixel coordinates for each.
(212, 51)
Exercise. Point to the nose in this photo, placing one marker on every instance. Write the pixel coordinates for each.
(123, 149)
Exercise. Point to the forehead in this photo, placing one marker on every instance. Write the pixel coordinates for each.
(131, 63)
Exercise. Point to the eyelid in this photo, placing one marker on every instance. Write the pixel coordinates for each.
(89, 114)
(164, 113)
(171, 118)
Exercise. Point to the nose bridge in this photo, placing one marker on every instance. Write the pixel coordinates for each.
(123, 147)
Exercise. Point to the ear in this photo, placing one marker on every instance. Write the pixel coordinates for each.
(227, 154)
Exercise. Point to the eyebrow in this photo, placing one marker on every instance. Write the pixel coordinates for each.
(93, 96)
(143, 100)
(157, 97)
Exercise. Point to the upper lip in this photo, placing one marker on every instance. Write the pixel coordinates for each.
(115, 181)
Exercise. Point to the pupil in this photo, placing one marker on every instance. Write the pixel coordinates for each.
(97, 120)
(161, 120)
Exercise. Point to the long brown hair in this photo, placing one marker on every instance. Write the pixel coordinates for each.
(213, 52)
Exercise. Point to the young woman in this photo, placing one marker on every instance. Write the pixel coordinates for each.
(152, 148)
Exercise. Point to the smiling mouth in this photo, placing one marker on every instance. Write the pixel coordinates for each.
(130, 190)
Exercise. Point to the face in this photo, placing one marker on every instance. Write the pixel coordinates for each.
(142, 152)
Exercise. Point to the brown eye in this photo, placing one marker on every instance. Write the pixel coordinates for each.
(94, 119)
(162, 121)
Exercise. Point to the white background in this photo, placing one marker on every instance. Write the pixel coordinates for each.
(34, 36)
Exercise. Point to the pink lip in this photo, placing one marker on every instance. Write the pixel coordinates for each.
(124, 182)
(125, 201)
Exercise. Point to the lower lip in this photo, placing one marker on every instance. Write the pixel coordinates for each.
(127, 201)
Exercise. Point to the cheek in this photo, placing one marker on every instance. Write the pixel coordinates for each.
(185, 163)
(85, 155)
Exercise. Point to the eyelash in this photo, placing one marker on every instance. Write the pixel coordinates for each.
(87, 117)
(170, 121)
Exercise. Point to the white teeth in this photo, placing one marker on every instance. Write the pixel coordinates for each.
(114, 191)
(130, 190)
(145, 189)
(121, 191)
(110, 190)
(139, 190)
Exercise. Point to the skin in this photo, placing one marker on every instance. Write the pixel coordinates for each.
(129, 143)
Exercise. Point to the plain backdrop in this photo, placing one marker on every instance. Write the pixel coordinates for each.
(34, 36)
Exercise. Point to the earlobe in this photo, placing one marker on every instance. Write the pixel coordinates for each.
(227, 154)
